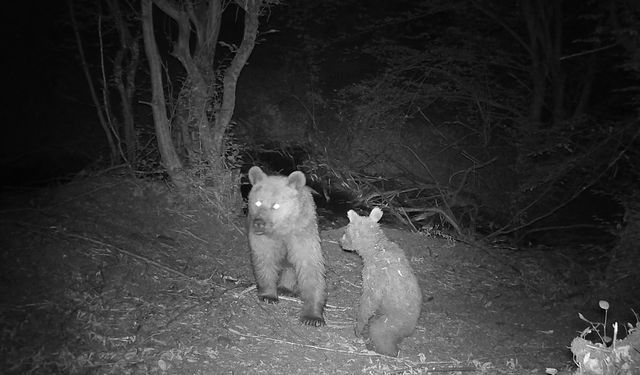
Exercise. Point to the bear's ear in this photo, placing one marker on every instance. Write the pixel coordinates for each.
(255, 175)
(375, 214)
(352, 215)
(296, 180)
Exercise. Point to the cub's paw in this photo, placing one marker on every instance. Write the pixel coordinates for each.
(389, 351)
(312, 320)
(268, 299)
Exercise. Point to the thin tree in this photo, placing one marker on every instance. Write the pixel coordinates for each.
(125, 67)
(101, 110)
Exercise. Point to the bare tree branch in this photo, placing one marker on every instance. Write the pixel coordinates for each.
(171, 8)
(506, 230)
(252, 13)
(499, 20)
(92, 89)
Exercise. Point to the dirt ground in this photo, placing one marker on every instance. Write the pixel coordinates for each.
(111, 275)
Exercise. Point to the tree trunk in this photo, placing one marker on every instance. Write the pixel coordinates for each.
(587, 85)
(168, 153)
(201, 78)
(125, 67)
(537, 70)
(197, 102)
(539, 87)
(544, 26)
(557, 75)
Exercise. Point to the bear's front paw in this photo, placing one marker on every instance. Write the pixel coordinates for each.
(312, 320)
(268, 299)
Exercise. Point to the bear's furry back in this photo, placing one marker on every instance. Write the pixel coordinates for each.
(387, 274)
(296, 211)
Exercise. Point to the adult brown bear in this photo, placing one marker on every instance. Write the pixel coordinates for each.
(284, 242)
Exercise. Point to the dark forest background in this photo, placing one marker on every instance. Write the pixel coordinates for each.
(489, 120)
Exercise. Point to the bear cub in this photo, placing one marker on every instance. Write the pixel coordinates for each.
(284, 242)
(391, 298)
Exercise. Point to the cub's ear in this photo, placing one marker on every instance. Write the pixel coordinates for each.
(256, 175)
(375, 214)
(352, 215)
(296, 180)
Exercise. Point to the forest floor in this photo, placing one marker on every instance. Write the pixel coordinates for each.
(112, 275)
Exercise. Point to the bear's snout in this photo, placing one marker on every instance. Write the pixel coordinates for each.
(258, 225)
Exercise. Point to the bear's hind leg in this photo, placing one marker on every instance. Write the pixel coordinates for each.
(366, 310)
(266, 256)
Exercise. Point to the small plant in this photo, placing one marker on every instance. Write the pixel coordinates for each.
(611, 356)
(604, 305)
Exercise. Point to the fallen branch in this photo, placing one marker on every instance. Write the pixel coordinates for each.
(141, 258)
(287, 298)
(279, 341)
(430, 370)
(560, 227)
(128, 253)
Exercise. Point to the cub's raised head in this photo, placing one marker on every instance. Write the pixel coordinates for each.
(278, 203)
(361, 232)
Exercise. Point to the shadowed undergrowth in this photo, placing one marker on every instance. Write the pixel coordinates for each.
(116, 275)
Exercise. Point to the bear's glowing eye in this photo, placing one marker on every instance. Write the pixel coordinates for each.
(276, 206)
(258, 203)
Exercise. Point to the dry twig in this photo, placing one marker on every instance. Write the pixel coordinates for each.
(141, 258)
